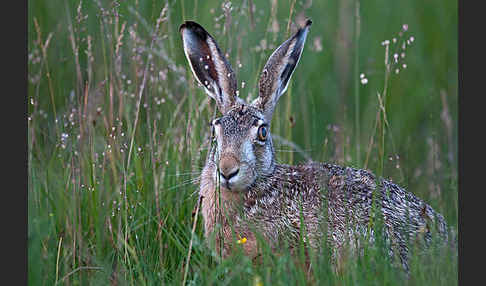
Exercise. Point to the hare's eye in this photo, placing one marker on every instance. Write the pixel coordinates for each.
(262, 133)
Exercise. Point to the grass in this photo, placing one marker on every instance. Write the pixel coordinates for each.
(117, 131)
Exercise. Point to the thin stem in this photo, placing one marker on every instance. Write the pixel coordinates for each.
(78, 269)
(383, 111)
(190, 242)
(290, 17)
(356, 81)
(57, 260)
(44, 47)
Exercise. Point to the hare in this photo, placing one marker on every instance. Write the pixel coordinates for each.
(246, 194)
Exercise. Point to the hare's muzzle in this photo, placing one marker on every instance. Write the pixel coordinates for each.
(228, 169)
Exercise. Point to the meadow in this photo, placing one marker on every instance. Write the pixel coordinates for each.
(118, 131)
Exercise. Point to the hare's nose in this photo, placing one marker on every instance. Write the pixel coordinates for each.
(228, 168)
(230, 174)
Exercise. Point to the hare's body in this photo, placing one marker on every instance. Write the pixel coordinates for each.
(305, 200)
(245, 193)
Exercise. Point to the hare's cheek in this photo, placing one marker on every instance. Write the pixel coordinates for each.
(244, 178)
(250, 175)
(265, 158)
(248, 153)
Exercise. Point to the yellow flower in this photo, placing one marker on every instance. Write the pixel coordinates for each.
(241, 241)
(257, 281)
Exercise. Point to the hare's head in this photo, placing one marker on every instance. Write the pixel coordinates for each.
(244, 151)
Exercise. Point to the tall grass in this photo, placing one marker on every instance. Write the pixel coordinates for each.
(118, 134)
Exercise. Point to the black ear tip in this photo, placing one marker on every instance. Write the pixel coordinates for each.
(308, 22)
(183, 26)
(189, 25)
(195, 28)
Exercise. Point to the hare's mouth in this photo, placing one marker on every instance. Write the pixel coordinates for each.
(233, 184)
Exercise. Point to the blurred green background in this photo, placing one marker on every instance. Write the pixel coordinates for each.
(113, 176)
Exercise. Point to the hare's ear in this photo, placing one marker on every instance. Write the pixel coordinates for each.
(208, 65)
(278, 70)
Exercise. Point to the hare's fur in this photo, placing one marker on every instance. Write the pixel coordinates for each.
(246, 194)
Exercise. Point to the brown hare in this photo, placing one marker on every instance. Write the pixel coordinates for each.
(246, 193)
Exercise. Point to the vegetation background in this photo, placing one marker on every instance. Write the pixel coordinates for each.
(118, 130)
